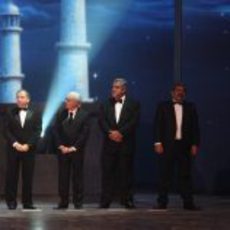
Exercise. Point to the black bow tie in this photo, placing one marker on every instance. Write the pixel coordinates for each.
(70, 117)
(118, 101)
(114, 101)
(178, 103)
(22, 109)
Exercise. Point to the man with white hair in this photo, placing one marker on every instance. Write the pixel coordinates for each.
(119, 120)
(71, 131)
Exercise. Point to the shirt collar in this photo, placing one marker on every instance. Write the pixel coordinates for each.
(25, 109)
(73, 111)
(177, 103)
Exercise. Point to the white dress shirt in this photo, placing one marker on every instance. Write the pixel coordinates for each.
(118, 109)
(22, 116)
(178, 108)
(74, 112)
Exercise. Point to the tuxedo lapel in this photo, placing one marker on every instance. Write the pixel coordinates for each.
(172, 115)
(77, 116)
(185, 112)
(123, 110)
(112, 113)
(28, 116)
(64, 117)
(16, 116)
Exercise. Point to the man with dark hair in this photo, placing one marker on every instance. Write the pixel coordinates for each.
(23, 128)
(177, 139)
(119, 119)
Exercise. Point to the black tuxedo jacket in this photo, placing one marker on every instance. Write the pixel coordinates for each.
(29, 134)
(128, 122)
(165, 124)
(74, 133)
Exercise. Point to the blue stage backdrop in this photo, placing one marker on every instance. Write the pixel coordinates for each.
(135, 38)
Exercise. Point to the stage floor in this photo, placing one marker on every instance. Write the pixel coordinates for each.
(215, 215)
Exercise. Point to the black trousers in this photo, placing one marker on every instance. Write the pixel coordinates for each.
(117, 173)
(178, 158)
(15, 162)
(71, 165)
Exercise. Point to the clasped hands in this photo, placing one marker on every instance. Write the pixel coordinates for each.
(23, 148)
(67, 150)
(159, 149)
(115, 136)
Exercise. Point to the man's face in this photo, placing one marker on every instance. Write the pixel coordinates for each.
(178, 94)
(118, 90)
(71, 103)
(22, 99)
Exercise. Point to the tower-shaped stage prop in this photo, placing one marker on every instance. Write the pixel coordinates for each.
(72, 69)
(10, 54)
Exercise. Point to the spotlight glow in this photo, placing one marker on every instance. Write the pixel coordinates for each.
(72, 66)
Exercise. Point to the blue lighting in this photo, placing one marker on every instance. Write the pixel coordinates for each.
(72, 67)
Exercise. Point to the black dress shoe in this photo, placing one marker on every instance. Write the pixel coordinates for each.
(11, 206)
(192, 207)
(29, 207)
(129, 205)
(161, 207)
(61, 206)
(78, 206)
(104, 205)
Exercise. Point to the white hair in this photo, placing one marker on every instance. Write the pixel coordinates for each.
(122, 81)
(74, 96)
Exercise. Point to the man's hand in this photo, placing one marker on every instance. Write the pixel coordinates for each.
(72, 149)
(64, 150)
(21, 148)
(194, 150)
(158, 148)
(17, 146)
(116, 136)
(25, 148)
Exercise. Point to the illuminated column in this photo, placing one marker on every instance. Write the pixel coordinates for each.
(73, 47)
(10, 53)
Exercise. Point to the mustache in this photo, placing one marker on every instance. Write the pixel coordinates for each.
(180, 95)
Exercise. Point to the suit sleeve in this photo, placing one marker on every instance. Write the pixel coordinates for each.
(103, 120)
(56, 130)
(80, 143)
(37, 128)
(132, 123)
(195, 127)
(158, 124)
(10, 138)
